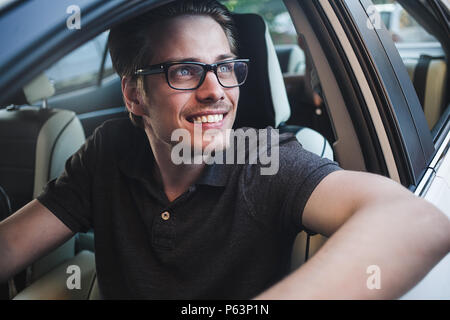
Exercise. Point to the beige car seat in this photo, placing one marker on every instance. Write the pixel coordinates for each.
(36, 142)
(429, 76)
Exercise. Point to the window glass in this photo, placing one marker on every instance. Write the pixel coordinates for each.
(401, 24)
(81, 67)
(385, 17)
(423, 56)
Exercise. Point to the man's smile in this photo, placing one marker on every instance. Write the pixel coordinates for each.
(208, 118)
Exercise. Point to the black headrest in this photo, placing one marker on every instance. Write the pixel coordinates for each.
(256, 107)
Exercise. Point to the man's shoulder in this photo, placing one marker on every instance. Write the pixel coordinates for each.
(267, 137)
(118, 131)
(116, 136)
(116, 128)
(281, 150)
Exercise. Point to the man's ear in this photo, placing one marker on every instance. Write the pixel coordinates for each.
(132, 97)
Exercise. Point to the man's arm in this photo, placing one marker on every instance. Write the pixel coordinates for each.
(372, 221)
(28, 234)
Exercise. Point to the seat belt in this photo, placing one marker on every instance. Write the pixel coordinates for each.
(420, 77)
(308, 238)
(308, 241)
(5, 209)
(421, 74)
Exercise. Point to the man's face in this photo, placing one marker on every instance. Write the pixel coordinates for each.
(188, 38)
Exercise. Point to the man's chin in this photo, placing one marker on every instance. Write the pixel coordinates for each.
(197, 152)
(198, 143)
(207, 146)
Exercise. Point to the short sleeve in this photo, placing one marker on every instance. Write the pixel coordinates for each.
(281, 198)
(69, 196)
(307, 172)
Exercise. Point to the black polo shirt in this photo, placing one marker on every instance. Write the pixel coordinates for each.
(229, 236)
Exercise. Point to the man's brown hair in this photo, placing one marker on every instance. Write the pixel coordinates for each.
(129, 43)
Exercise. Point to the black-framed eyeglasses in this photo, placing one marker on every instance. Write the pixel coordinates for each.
(189, 75)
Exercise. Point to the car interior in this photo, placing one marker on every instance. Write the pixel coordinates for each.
(39, 132)
(53, 134)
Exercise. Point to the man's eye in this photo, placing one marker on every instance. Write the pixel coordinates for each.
(226, 67)
(183, 71)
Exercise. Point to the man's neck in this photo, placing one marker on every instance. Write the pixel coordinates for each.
(176, 179)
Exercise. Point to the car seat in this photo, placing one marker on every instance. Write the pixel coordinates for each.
(35, 144)
(429, 76)
(263, 102)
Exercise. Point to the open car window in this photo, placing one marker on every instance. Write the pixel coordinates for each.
(424, 57)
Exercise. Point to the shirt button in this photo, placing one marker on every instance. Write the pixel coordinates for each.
(165, 215)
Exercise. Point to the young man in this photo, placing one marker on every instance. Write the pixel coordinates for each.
(166, 230)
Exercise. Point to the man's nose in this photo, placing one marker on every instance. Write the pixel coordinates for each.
(210, 90)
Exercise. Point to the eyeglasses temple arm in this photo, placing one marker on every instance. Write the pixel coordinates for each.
(146, 72)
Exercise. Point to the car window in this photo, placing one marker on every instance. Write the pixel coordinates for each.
(385, 17)
(401, 24)
(81, 67)
(423, 56)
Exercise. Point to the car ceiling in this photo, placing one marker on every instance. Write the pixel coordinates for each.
(41, 36)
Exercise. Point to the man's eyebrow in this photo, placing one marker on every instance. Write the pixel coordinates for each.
(226, 56)
(194, 59)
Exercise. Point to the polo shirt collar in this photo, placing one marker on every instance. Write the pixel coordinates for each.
(215, 175)
(136, 160)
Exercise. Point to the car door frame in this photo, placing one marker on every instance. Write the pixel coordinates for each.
(433, 148)
(379, 78)
(370, 57)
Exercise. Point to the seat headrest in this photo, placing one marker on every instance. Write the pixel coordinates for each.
(263, 100)
(39, 88)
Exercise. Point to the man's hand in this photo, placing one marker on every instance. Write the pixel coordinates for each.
(372, 221)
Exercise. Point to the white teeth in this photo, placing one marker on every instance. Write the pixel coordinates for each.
(211, 118)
